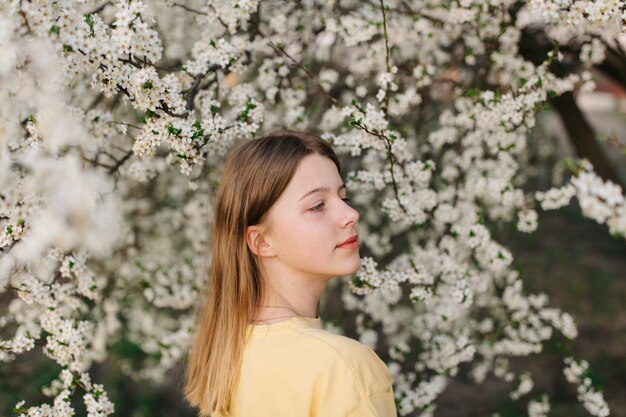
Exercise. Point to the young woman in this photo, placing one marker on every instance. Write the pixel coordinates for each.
(281, 224)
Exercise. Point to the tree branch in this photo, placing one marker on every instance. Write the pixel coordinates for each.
(582, 136)
(386, 38)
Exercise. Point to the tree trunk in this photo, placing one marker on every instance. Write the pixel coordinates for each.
(582, 137)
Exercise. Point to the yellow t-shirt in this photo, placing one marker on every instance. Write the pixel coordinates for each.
(294, 368)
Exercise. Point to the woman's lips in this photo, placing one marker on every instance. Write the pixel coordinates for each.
(351, 243)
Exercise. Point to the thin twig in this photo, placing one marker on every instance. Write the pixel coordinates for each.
(189, 9)
(413, 13)
(95, 101)
(96, 163)
(299, 65)
(386, 37)
(126, 124)
(390, 157)
(119, 163)
(99, 8)
(193, 91)
(165, 108)
(21, 13)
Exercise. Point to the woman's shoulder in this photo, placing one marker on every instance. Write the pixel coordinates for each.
(338, 342)
(344, 353)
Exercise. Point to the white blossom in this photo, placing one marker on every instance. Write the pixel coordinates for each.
(114, 129)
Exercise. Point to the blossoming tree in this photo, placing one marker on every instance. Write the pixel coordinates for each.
(116, 115)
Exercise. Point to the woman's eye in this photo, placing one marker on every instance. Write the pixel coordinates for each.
(320, 205)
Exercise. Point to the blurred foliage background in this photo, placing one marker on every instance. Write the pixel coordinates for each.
(570, 258)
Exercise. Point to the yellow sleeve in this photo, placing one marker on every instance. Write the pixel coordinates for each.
(380, 404)
(361, 387)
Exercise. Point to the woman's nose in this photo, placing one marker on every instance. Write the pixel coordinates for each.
(351, 216)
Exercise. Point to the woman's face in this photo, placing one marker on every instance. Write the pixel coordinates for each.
(308, 222)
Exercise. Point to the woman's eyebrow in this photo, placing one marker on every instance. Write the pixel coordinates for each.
(322, 189)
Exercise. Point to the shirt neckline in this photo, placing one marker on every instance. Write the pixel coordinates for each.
(291, 322)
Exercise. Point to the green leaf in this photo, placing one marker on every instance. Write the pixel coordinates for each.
(472, 92)
(89, 21)
(173, 130)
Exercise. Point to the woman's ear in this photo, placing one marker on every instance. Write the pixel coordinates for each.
(256, 239)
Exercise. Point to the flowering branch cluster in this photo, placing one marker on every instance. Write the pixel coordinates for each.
(116, 117)
(602, 201)
(589, 396)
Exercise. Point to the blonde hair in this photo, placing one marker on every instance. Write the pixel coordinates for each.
(256, 172)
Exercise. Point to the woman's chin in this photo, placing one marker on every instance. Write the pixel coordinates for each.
(355, 267)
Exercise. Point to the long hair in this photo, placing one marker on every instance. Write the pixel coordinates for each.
(256, 172)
